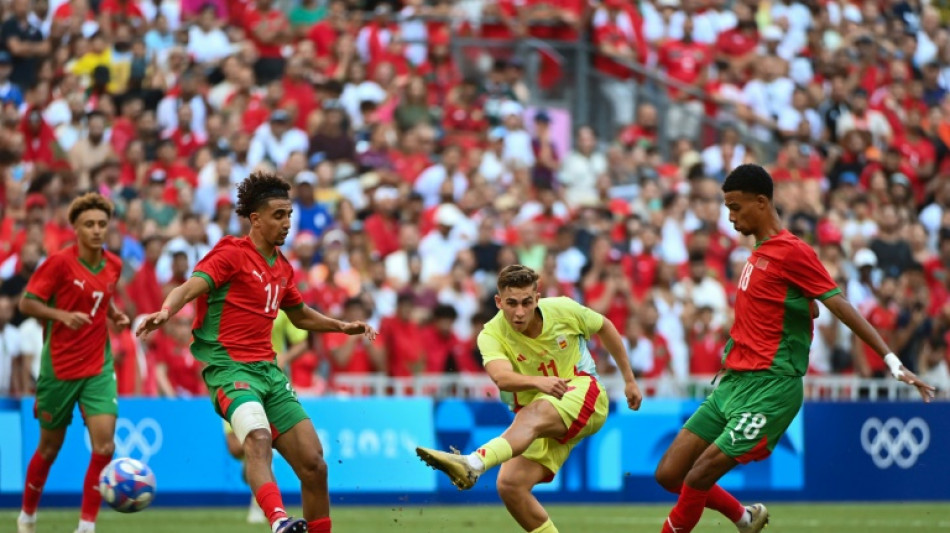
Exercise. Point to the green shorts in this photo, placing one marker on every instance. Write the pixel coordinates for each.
(261, 382)
(748, 413)
(56, 398)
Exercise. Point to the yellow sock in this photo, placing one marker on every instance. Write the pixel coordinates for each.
(494, 452)
(547, 527)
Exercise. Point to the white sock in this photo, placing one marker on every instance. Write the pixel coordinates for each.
(746, 518)
(26, 518)
(277, 523)
(475, 462)
(85, 526)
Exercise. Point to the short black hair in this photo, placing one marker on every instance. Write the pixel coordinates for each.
(749, 178)
(444, 311)
(257, 189)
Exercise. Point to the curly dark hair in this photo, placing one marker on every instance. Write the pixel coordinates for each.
(257, 189)
(89, 201)
(749, 178)
(518, 277)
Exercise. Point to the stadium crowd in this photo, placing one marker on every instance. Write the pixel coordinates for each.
(415, 182)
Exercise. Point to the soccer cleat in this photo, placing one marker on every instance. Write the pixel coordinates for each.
(25, 527)
(254, 513)
(291, 525)
(455, 465)
(760, 519)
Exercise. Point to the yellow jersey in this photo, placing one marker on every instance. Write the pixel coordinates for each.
(560, 350)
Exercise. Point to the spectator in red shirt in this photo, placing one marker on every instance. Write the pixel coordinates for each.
(706, 344)
(445, 353)
(382, 227)
(882, 316)
(738, 45)
(177, 372)
(145, 292)
(464, 119)
(403, 339)
(686, 62)
(354, 354)
(269, 30)
(186, 141)
(608, 291)
(614, 48)
(643, 132)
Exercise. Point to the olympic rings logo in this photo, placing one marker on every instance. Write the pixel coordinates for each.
(894, 442)
(139, 441)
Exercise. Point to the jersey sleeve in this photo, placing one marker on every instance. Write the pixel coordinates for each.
(587, 320)
(491, 348)
(219, 265)
(292, 298)
(45, 281)
(805, 271)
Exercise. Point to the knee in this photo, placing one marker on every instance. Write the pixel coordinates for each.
(313, 469)
(667, 478)
(104, 448)
(48, 451)
(510, 489)
(257, 444)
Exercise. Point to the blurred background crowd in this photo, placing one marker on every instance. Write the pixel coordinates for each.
(431, 142)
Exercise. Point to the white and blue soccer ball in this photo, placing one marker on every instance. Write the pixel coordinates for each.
(127, 485)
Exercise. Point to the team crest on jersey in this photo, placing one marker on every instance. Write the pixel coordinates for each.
(241, 385)
(562, 342)
(762, 264)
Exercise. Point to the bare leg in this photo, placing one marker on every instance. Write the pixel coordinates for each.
(302, 448)
(515, 480)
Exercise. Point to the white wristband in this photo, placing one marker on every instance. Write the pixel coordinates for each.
(894, 364)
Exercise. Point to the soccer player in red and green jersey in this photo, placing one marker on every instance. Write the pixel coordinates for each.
(71, 293)
(240, 286)
(765, 359)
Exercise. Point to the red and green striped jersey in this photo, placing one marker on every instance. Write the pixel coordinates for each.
(66, 282)
(235, 318)
(773, 324)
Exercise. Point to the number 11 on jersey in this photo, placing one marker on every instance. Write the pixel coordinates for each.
(543, 368)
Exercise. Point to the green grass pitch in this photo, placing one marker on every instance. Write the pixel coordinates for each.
(813, 518)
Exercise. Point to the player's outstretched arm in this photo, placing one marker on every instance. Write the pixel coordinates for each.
(180, 295)
(612, 340)
(37, 309)
(309, 319)
(846, 312)
(503, 374)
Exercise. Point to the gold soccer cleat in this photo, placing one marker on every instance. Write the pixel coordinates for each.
(760, 519)
(453, 464)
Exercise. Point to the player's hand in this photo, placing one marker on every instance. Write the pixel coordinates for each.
(151, 323)
(121, 319)
(359, 328)
(633, 394)
(926, 391)
(815, 310)
(553, 385)
(75, 320)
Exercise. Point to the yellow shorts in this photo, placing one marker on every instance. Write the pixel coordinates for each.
(583, 409)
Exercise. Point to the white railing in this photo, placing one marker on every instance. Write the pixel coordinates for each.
(480, 386)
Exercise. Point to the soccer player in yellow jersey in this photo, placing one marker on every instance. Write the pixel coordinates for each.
(536, 349)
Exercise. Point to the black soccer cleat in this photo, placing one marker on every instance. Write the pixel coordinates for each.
(292, 525)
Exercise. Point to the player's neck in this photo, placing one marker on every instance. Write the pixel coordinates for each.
(90, 256)
(536, 325)
(266, 249)
(770, 229)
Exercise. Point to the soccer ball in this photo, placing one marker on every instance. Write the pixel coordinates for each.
(127, 485)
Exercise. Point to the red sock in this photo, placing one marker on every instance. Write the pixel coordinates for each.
(724, 502)
(720, 500)
(320, 525)
(268, 497)
(36, 474)
(689, 508)
(91, 499)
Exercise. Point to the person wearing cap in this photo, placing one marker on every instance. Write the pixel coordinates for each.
(518, 150)
(309, 215)
(276, 139)
(9, 92)
(441, 246)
